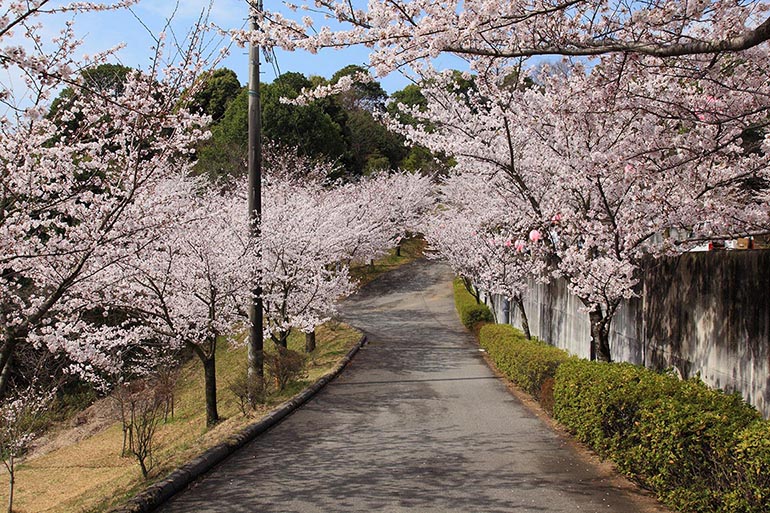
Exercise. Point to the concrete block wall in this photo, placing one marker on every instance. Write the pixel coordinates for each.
(706, 314)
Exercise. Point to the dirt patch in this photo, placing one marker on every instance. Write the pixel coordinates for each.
(97, 417)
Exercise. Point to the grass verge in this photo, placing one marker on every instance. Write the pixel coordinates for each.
(472, 314)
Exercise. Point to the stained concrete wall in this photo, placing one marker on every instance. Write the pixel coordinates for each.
(703, 313)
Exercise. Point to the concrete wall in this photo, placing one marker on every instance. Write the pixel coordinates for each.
(703, 313)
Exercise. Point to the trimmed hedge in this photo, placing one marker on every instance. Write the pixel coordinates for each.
(751, 469)
(528, 363)
(471, 313)
(698, 449)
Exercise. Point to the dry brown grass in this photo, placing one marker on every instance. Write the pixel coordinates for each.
(87, 474)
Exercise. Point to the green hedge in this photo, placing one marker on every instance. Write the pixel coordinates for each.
(528, 363)
(471, 313)
(699, 449)
(751, 467)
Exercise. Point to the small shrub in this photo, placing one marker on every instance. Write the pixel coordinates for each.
(334, 323)
(285, 366)
(146, 413)
(471, 313)
(122, 396)
(141, 407)
(245, 389)
(165, 385)
(18, 427)
(528, 363)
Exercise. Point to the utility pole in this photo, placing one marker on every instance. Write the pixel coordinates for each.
(256, 343)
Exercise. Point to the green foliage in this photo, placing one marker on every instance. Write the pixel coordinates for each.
(226, 152)
(69, 400)
(410, 96)
(248, 390)
(751, 467)
(418, 157)
(676, 437)
(219, 88)
(528, 363)
(686, 439)
(105, 80)
(310, 128)
(369, 96)
(600, 402)
(375, 163)
(471, 313)
(341, 128)
(371, 146)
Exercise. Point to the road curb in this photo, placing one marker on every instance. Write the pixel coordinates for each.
(160, 492)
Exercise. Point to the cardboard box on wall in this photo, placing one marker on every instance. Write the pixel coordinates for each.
(743, 243)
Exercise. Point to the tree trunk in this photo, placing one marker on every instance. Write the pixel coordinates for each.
(5, 374)
(600, 343)
(282, 339)
(210, 376)
(256, 347)
(524, 319)
(398, 249)
(310, 341)
(6, 357)
(142, 466)
(472, 290)
(11, 479)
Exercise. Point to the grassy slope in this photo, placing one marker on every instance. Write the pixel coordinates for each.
(91, 476)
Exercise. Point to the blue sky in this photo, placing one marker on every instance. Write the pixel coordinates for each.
(106, 29)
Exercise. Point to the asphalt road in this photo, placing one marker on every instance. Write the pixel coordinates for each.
(416, 423)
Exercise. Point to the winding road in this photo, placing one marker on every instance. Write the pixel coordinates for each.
(417, 423)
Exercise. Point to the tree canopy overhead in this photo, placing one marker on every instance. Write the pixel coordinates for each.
(402, 32)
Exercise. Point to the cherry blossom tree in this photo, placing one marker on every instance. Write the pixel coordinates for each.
(382, 209)
(603, 168)
(311, 232)
(471, 231)
(679, 91)
(70, 202)
(190, 284)
(498, 193)
(402, 32)
(647, 156)
(302, 241)
(18, 428)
